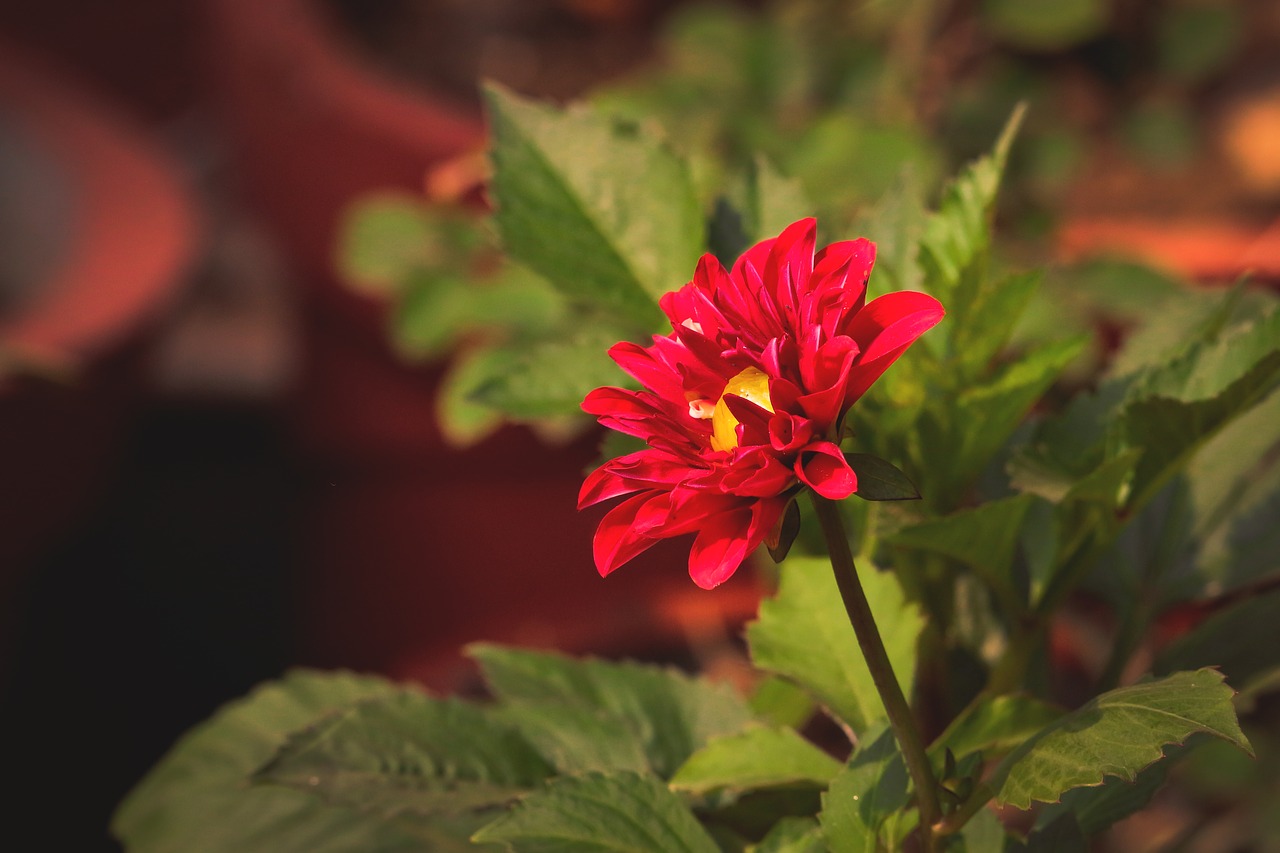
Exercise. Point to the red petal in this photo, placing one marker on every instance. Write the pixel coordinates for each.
(616, 541)
(720, 548)
(823, 468)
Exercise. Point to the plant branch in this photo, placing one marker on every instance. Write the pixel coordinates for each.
(895, 703)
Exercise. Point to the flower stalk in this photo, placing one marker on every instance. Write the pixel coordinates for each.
(895, 703)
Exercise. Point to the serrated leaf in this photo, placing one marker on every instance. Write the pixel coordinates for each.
(871, 788)
(599, 813)
(995, 726)
(758, 757)
(1118, 734)
(606, 215)
(986, 328)
(960, 232)
(196, 799)
(895, 224)
(804, 634)
(669, 714)
(984, 538)
(407, 753)
(552, 377)
(1097, 808)
(575, 739)
(988, 413)
(1173, 409)
(880, 480)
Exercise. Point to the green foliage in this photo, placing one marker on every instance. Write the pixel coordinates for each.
(665, 715)
(757, 757)
(198, 797)
(870, 789)
(408, 754)
(569, 206)
(804, 634)
(611, 813)
(1118, 734)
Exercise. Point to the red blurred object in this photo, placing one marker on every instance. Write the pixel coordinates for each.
(411, 548)
(126, 232)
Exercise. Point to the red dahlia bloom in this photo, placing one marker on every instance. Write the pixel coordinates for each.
(746, 398)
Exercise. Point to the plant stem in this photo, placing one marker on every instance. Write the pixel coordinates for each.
(873, 651)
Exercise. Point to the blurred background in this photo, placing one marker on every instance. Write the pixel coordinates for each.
(220, 456)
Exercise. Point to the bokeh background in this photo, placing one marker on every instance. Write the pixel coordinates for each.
(216, 462)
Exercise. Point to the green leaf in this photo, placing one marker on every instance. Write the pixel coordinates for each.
(1118, 734)
(1096, 808)
(606, 215)
(988, 413)
(552, 377)
(990, 321)
(1170, 411)
(670, 715)
(804, 634)
(792, 835)
(984, 538)
(872, 787)
(959, 234)
(464, 420)
(880, 480)
(196, 799)
(386, 239)
(758, 757)
(895, 224)
(1062, 836)
(575, 739)
(994, 726)
(408, 753)
(614, 813)
(782, 702)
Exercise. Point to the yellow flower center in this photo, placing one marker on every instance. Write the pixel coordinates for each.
(751, 384)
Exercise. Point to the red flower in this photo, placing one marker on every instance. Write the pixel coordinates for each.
(746, 398)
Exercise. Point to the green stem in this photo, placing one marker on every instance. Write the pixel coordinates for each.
(873, 651)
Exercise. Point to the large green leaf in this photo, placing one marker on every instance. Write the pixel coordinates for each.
(552, 377)
(994, 726)
(599, 813)
(804, 634)
(408, 753)
(758, 757)
(1118, 734)
(198, 800)
(984, 538)
(605, 214)
(958, 235)
(873, 786)
(669, 715)
(1098, 807)
(578, 738)
(1173, 409)
(989, 412)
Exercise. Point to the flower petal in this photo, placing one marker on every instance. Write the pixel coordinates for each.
(616, 540)
(823, 468)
